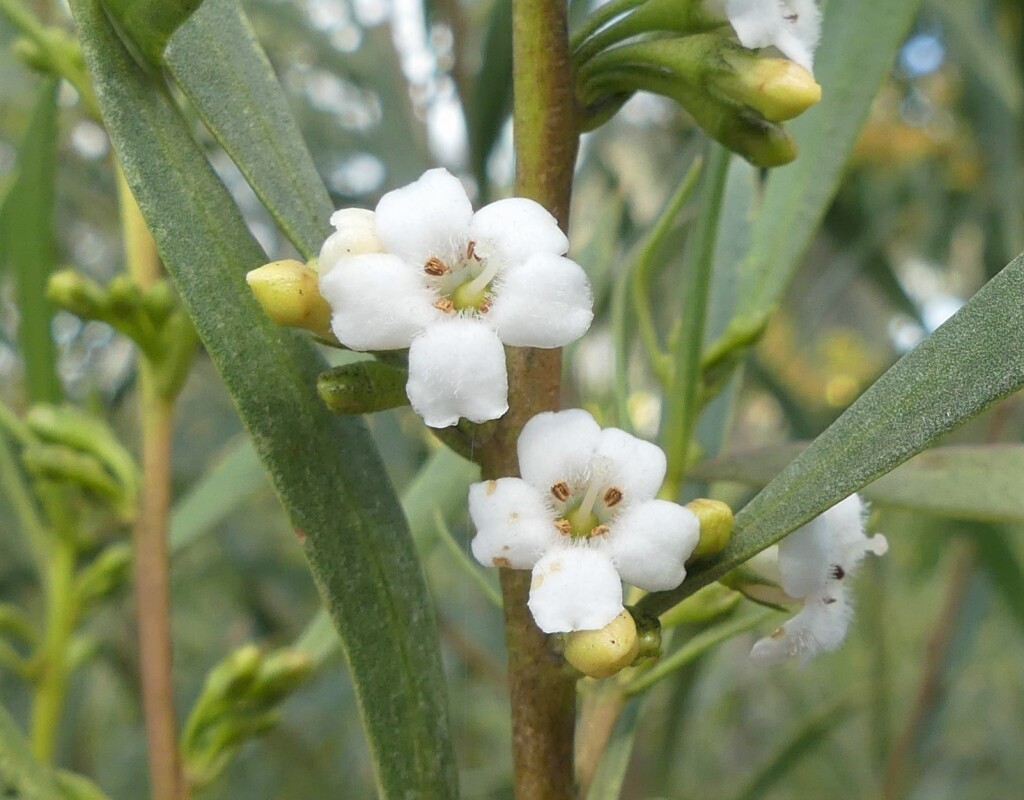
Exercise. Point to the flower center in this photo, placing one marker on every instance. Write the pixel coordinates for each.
(464, 286)
(586, 512)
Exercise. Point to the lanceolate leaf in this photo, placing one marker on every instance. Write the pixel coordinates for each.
(973, 482)
(150, 23)
(859, 40)
(972, 361)
(30, 249)
(217, 61)
(324, 467)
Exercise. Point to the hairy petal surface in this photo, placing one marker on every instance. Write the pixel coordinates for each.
(556, 446)
(575, 589)
(514, 229)
(514, 524)
(377, 302)
(635, 466)
(457, 369)
(650, 543)
(428, 218)
(819, 627)
(545, 301)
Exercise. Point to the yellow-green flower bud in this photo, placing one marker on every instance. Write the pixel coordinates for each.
(777, 88)
(604, 652)
(355, 235)
(232, 677)
(281, 673)
(289, 293)
(76, 293)
(715, 525)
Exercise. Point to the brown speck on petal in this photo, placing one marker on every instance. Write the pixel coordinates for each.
(490, 487)
(838, 572)
(600, 530)
(563, 527)
(828, 600)
(560, 491)
(471, 250)
(778, 633)
(498, 561)
(444, 304)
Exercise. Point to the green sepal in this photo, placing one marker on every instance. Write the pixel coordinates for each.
(150, 23)
(363, 388)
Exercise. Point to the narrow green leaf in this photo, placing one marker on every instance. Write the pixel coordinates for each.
(150, 23)
(220, 491)
(859, 40)
(19, 770)
(491, 102)
(970, 482)
(217, 61)
(31, 243)
(969, 363)
(610, 775)
(325, 468)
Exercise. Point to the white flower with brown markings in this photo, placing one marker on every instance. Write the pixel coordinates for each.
(815, 564)
(425, 272)
(584, 518)
(791, 26)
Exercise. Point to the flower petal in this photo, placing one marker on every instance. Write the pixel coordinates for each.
(377, 302)
(512, 230)
(514, 525)
(650, 542)
(635, 466)
(355, 235)
(557, 446)
(544, 302)
(574, 589)
(428, 218)
(819, 627)
(457, 369)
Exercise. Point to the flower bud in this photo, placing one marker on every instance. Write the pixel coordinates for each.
(715, 525)
(289, 294)
(124, 295)
(72, 291)
(777, 88)
(604, 652)
(281, 673)
(231, 678)
(356, 235)
(363, 388)
(62, 464)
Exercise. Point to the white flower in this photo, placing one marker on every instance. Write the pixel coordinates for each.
(424, 272)
(792, 26)
(582, 517)
(815, 564)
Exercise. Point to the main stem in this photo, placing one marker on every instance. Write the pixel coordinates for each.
(542, 690)
(151, 562)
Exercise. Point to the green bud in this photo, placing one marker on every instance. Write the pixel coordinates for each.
(362, 388)
(72, 291)
(714, 600)
(603, 652)
(178, 340)
(159, 302)
(777, 88)
(32, 55)
(649, 636)
(77, 787)
(74, 428)
(107, 573)
(281, 673)
(715, 519)
(62, 464)
(289, 293)
(232, 677)
(124, 296)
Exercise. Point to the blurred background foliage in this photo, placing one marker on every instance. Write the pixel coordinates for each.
(929, 684)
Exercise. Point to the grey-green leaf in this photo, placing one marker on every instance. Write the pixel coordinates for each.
(150, 23)
(217, 61)
(968, 364)
(325, 468)
(972, 482)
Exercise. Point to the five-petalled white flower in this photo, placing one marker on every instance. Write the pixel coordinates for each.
(583, 517)
(792, 26)
(815, 563)
(425, 272)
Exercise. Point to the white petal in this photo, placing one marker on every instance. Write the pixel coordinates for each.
(457, 369)
(635, 466)
(756, 22)
(514, 525)
(544, 302)
(557, 446)
(793, 46)
(650, 542)
(428, 218)
(512, 230)
(574, 589)
(819, 627)
(802, 31)
(355, 235)
(377, 301)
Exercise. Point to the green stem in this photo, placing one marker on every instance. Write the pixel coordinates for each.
(23, 504)
(682, 400)
(149, 535)
(542, 691)
(641, 284)
(51, 684)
